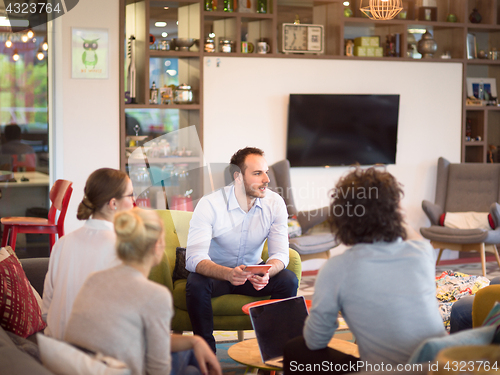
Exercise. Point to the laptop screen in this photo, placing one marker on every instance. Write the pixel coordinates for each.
(277, 322)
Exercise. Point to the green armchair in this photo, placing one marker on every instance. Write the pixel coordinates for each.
(228, 315)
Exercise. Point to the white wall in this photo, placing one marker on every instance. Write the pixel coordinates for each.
(246, 104)
(86, 111)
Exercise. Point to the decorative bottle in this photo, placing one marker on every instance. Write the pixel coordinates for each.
(228, 5)
(209, 5)
(261, 6)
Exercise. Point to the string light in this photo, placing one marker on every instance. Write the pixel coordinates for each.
(30, 33)
(45, 46)
(8, 43)
(15, 56)
(24, 38)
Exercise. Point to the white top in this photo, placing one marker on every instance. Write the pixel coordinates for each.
(386, 293)
(222, 232)
(122, 314)
(74, 256)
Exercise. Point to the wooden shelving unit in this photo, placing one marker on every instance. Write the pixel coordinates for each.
(195, 22)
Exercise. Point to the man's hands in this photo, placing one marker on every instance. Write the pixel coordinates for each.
(237, 276)
(259, 282)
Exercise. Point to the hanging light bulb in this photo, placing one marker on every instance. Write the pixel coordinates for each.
(15, 56)
(45, 46)
(30, 34)
(381, 9)
(8, 43)
(24, 38)
(40, 55)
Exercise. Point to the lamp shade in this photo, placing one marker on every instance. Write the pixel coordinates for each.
(381, 9)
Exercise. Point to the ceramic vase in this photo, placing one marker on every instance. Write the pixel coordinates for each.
(426, 46)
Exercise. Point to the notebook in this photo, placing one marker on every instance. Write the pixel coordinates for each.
(274, 324)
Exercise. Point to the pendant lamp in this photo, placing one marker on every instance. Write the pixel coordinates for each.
(381, 9)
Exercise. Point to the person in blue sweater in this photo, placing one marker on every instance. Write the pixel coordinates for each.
(383, 285)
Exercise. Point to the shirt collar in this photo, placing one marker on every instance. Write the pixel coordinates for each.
(233, 202)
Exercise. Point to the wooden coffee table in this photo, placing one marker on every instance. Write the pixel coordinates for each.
(247, 353)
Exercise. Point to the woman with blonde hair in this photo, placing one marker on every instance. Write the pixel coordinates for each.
(88, 249)
(121, 313)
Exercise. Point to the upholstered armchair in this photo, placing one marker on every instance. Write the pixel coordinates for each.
(464, 188)
(228, 315)
(316, 240)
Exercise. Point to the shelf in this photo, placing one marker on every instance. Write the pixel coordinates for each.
(483, 62)
(167, 160)
(482, 108)
(220, 14)
(474, 144)
(191, 107)
(401, 22)
(482, 27)
(167, 54)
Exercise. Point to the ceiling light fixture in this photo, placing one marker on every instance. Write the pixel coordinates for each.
(381, 9)
(160, 24)
(164, 34)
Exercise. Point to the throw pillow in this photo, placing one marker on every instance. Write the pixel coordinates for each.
(180, 271)
(467, 220)
(429, 349)
(62, 359)
(20, 312)
(294, 229)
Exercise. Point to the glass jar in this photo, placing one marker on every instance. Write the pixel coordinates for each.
(209, 45)
(225, 45)
(183, 94)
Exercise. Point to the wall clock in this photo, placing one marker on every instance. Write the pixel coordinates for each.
(302, 38)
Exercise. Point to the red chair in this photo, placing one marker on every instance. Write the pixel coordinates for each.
(59, 197)
(25, 162)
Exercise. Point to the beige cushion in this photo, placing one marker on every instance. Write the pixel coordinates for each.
(64, 359)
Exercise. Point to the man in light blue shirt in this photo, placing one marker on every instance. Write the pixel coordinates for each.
(227, 233)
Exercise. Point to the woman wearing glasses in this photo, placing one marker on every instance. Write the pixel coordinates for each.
(88, 249)
(122, 314)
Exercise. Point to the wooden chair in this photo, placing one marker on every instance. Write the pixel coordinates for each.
(60, 193)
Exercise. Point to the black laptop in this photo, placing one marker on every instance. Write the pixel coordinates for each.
(275, 323)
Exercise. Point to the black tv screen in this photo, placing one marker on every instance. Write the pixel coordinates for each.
(331, 129)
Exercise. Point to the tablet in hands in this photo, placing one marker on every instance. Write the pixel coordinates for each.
(258, 269)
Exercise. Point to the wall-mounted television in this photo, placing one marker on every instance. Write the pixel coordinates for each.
(333, 129)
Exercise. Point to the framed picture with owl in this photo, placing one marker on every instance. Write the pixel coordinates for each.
(89, 53)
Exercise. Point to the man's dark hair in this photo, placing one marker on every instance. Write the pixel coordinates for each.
(12, 132)
(238, 159)
(365, 207)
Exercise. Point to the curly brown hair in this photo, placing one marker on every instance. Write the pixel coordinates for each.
(238, 159)
(365, 207)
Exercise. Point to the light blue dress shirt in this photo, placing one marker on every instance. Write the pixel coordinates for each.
(222, 232)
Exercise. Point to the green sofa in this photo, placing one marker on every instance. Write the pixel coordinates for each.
(228, 315)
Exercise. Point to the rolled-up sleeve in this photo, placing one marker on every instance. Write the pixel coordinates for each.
(277, 240)
(200, 234)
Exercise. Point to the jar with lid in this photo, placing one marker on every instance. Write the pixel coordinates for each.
(225, 45)
(164, 148)
(209, 45)
(183, 94)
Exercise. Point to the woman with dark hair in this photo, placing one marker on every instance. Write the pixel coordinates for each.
(120, 313)
(88, 249)
(383, 285)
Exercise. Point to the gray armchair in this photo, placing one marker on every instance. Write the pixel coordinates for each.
(314, 242)
(464, 188)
